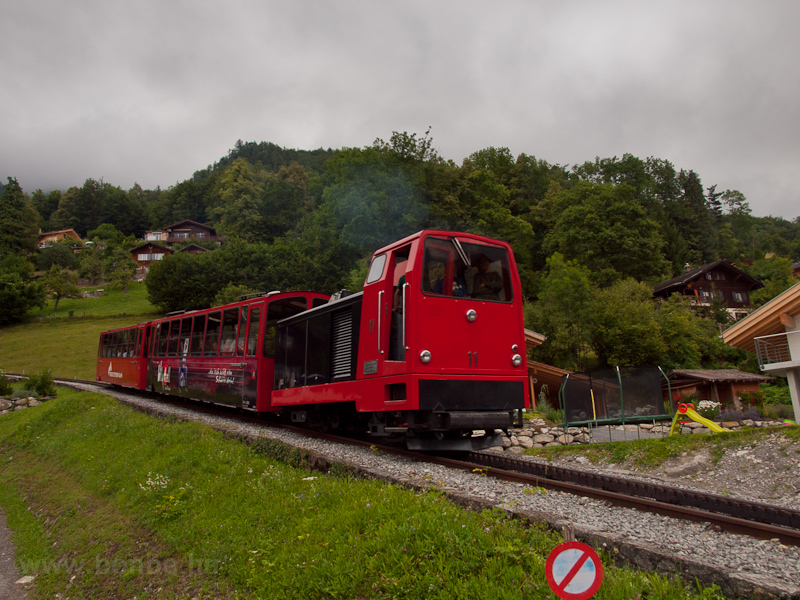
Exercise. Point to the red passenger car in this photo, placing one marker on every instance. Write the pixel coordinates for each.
(430, 350)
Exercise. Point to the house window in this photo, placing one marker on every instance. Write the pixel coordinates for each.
(739, 297)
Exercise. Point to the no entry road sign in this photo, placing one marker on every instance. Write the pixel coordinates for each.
(574, 571)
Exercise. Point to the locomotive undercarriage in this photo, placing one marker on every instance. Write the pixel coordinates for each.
(418, 430)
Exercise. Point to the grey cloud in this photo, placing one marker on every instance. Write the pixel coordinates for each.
(151, 91)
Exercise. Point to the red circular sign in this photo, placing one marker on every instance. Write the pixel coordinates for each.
(574, 571)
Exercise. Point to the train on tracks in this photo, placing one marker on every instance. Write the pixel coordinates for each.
(430, 352)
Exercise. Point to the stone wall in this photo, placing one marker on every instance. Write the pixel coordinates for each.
(537, 434)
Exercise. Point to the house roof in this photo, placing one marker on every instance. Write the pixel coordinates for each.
(70, 233)
(766, 320)
(533, 339)
(189, 222)
(192, 246)
(718, 375)
(153, 244)
(680, 281)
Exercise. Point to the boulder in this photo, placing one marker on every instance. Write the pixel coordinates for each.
(543, 438)
(525, 442)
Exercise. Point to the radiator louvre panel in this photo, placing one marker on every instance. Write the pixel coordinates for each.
(342, 345)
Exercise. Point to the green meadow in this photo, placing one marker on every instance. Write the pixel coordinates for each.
(108, 502)
(65, 341)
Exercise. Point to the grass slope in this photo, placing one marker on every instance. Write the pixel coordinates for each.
(106, 502)
(67, 345)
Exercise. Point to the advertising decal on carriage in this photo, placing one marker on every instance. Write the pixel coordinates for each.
(430, 350)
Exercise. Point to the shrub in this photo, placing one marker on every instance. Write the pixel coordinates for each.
(779, 411)
(776, 393)
(708, 408)
(752, 413)
(729, 414)
(6, 389)
(24, 393)
(752, 399)
(41, 383)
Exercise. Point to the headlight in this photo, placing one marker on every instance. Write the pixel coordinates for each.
(471, 315)
(516, 360)
(425, 357)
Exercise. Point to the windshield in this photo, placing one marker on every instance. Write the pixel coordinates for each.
(459, 268)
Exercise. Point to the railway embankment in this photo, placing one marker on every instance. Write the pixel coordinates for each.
(118, 503)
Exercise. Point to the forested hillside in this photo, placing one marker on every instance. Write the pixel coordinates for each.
(586, 237)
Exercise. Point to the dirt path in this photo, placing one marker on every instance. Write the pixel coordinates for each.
(8, 570)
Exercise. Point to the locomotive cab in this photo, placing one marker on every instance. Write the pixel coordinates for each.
(442, 341)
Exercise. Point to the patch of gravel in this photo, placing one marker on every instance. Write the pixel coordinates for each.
(742, 566)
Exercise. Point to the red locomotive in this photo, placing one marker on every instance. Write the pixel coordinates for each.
(431, 349)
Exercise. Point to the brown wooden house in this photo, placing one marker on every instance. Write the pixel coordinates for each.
(721, 280)
(182, 231)
(720, 385)
(148, 253)
(48, 238)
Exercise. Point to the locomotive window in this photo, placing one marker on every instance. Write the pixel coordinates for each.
(376, 268)
(186, 331)
(230, 318)
(139, 336)
(101, 349)
(212, 334)
(252, 334)
(174, 332)
(318, 302)
(277, 310)
(242, 331)
(197, 335)
(458, 268)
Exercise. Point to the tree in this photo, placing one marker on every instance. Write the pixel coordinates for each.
(18, 221)
(60, 283)
(119, 267)
(561, 313)
(604, 228)
(89, 263)
(184, 282)
(59, 253)
(775, 274)
(18, 293)
(624, 330)
(106, 232)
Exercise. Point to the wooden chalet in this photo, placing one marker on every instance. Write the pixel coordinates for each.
(720, 385)
(48, 238)
(148, 253)
(182, 231)
(721, 280)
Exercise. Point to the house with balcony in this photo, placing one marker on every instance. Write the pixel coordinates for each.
(773, 333)
(148, 253)
(181, 232)
(721, 280)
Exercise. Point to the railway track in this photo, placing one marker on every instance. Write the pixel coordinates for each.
(735, 515)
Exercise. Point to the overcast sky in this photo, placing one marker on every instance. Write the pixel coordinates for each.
(151, 91)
